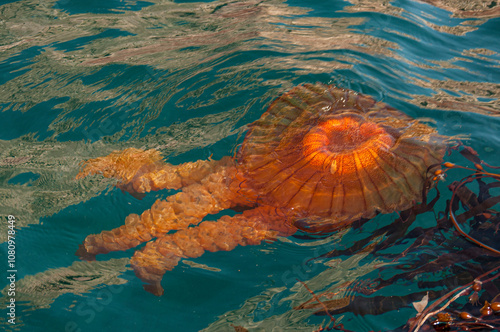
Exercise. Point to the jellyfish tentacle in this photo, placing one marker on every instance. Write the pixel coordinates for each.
(249, 228)
(142, 171)
(178, 211)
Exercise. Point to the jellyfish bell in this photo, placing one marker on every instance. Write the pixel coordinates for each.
(333, 153)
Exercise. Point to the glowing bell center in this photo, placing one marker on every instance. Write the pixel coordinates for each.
(345, 140)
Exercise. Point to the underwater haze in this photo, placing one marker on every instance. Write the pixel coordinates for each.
(80, 79)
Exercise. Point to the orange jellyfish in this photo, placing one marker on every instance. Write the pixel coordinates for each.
(319, 153)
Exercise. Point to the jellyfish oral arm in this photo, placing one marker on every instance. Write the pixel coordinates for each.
(211, 195)
(142, 171)
(207, 187)
(249, 228)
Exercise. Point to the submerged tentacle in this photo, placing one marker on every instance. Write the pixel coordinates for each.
(249, 228)
(144, 171)
(179, 211)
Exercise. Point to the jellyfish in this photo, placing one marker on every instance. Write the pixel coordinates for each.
(319, 154)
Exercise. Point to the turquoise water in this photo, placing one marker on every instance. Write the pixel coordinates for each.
(79, 79)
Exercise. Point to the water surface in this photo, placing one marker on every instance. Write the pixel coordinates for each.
(80, 79)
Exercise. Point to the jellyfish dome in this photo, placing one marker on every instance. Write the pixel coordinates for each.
(330, 152)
